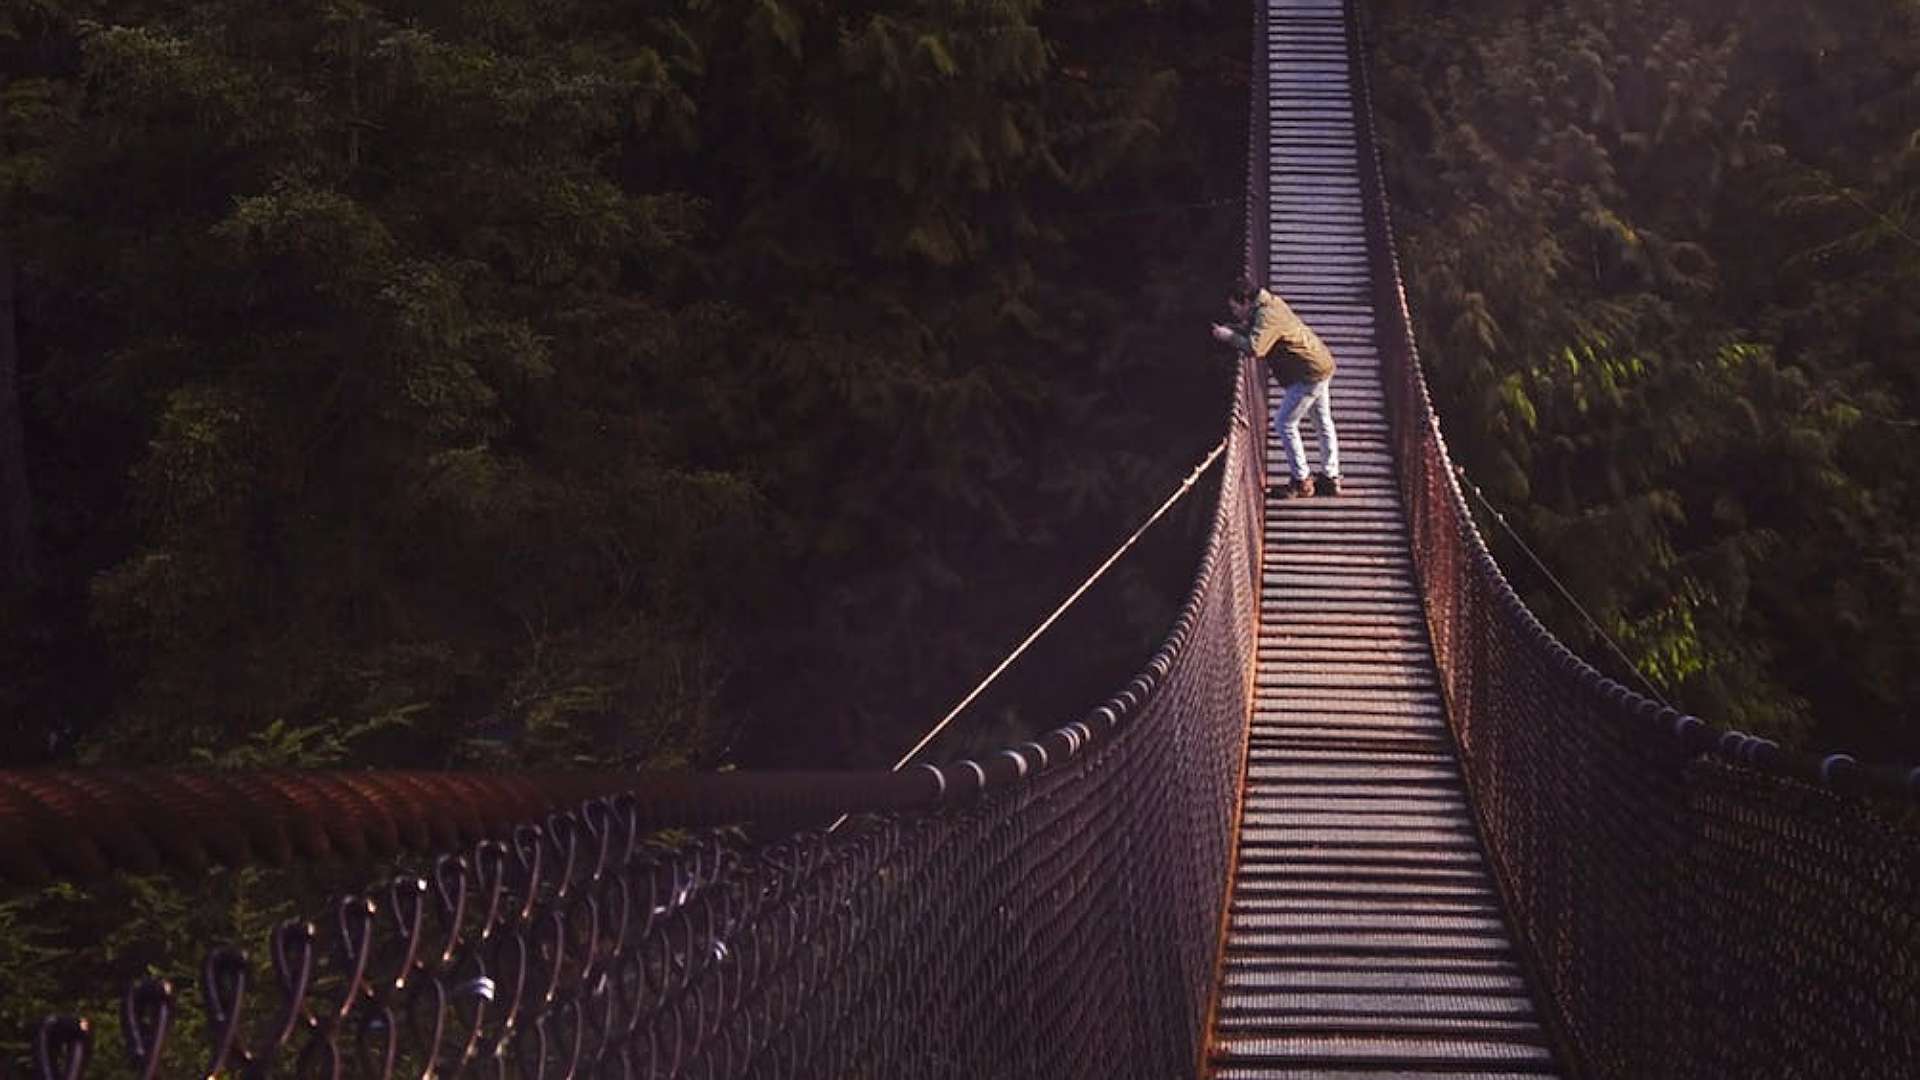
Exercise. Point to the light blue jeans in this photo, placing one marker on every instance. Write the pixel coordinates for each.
(1294, 402)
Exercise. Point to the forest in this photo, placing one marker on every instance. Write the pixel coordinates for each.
(694, 384)
(729, 383)
(1663, 258)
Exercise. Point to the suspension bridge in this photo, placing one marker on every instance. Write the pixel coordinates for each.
(1361, 815)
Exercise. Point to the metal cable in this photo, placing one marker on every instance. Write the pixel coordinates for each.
(1179, 493)
(1565, 593)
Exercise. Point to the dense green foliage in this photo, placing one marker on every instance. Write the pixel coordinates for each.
(1664, 258)
(464, 383)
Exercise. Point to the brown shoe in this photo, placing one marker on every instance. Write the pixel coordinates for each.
(1299, 489)
(1329, 485)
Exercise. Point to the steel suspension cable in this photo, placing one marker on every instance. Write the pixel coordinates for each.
(1501, 519)
(1178, 493)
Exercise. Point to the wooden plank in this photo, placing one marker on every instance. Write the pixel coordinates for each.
(1365, 934)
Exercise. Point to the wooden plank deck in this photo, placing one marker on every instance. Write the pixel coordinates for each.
(1365, 936)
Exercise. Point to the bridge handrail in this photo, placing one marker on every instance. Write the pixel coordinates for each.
(1047, 909)
(1692, 900)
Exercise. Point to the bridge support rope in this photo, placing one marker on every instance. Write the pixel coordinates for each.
(1049, 910)
(1696, 902)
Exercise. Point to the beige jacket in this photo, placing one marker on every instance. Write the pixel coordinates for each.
(1300, 355)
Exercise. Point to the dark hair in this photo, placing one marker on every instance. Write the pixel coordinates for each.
(1244, 290)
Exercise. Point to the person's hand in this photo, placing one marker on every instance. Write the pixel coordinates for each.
(1221, 333)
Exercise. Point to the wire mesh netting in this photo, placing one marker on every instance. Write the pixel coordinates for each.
(1052, 910)
(1695, 902)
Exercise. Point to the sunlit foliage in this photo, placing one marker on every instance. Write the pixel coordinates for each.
(1663, 258)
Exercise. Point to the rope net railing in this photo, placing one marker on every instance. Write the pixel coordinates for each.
(1696, 902)
(1051, 910)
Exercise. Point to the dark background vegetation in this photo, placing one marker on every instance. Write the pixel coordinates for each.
(512, 383)
(731, 382)
(1664, 263)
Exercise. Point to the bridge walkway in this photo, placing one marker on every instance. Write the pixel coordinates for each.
(1366, 935)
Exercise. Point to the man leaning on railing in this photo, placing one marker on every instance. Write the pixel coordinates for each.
(1303, 365)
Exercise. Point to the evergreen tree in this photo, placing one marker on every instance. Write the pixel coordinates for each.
(1652, 274)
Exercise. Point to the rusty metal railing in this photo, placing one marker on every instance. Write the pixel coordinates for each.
(1695, 901)
(1049, 910)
